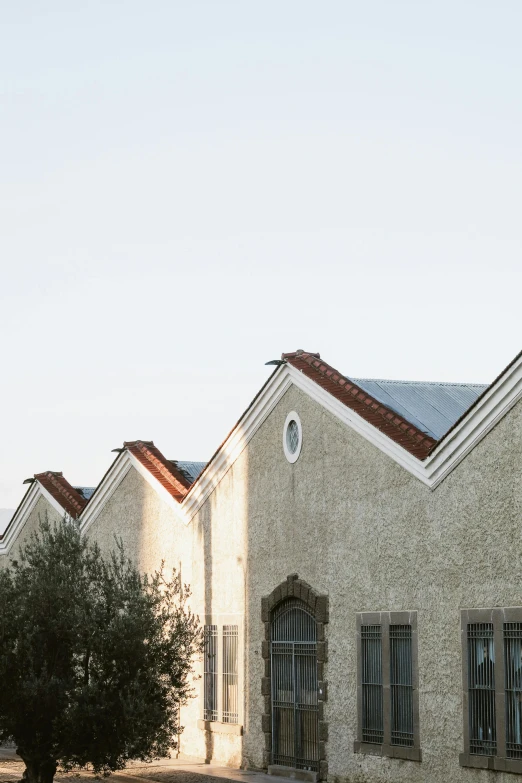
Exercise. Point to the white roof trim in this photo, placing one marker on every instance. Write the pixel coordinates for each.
(484, 415)
(35, 492)
(111, 482)
(113, 478)
(54, 503)
(493, 406)
(20, 517)
(495, 403)
(158, 486)
(236, 442)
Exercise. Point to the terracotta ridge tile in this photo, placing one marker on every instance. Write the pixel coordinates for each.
(62, 491)
(167, 470)
(345, 390)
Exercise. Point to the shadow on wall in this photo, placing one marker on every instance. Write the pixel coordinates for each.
(153, 537)
(220, 538)
(203, 538)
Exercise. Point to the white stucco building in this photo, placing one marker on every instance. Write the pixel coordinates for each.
(354, 551)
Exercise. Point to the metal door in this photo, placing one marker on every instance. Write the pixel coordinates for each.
(295, 723)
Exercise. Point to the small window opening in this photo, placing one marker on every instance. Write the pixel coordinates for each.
(481, 688)
(210, 676)
(292, 436)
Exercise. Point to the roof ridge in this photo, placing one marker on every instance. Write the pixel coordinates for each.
(178, 486)
(55, 483)
(347, 391)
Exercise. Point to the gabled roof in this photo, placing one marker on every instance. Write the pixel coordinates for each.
(66, 495)
(170, 476)
(352, 394)
(406, 420)
(402, 419)
(432, 407)
(171, 479)
(56, 489)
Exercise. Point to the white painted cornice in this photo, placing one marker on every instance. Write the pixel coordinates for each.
(158, 487)
(236, 441)
(21, 515)
(105, 490)
(111, 482)
(19, 519)
(482, 417)
(485, 414)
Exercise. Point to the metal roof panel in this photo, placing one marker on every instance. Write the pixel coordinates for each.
(191, 470)
(432, 407)
(85, 492)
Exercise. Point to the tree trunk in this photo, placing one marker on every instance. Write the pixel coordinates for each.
(38, 770)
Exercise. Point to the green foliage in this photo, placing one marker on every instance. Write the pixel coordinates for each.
(94, 658)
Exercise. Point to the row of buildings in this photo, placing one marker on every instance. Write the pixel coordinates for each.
(354, 551)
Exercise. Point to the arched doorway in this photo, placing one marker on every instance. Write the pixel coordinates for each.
(294, 687)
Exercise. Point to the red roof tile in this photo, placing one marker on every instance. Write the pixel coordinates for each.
(161, 468)
(367, 407)
(70, 500)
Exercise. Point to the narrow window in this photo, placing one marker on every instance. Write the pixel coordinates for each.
(230, 677)
(372, 708)
(387, 685)
(401, 685)
(513, 687)
(210, 675)
(481, 690)
(492, 688)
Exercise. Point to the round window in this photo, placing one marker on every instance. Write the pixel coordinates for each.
(292, 436)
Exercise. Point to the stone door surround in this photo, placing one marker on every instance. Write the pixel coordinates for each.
(317, 603)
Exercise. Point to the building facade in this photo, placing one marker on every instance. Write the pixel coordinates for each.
(355, 555)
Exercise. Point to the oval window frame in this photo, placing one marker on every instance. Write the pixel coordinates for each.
(293, 457)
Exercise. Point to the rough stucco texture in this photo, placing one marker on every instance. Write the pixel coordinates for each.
(357, 526)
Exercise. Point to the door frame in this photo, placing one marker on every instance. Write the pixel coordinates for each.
(317, 603)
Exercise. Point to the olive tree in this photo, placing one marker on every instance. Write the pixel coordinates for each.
(95, 658)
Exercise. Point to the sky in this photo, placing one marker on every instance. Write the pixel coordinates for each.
(187, 190)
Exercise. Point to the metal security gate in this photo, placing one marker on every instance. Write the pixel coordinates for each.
(295, 721)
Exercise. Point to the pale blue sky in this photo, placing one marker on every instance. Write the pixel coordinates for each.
(188, 189)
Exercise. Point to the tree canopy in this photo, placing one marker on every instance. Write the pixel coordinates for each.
(95, 658)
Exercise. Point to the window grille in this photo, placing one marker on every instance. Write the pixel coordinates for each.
(512, 633)
(372, 707)
(492, 687)
(230, 674)
(210, 673)
(387, 698)
(481, 690)
(401, 685)
(295, 711)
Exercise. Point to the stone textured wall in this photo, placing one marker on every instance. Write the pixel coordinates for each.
(360, 529)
